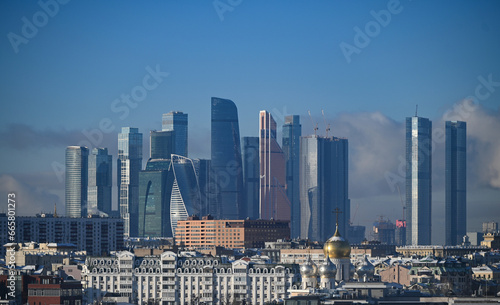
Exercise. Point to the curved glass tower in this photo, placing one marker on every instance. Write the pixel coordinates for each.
(76, 181)
(226, 159)
(185, 196)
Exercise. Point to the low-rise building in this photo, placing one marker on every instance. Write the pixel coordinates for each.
(439, 251)
(54, 290)
(96, 235)
(172, 279)
(491, 241)
(196, 233)
(396, 274)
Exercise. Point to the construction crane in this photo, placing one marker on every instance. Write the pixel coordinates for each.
(351, 221)
(327, 125)
(312, 121)
(416, 110)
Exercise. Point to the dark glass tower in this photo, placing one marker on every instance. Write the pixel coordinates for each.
(456, 182)
(418, 180)
(100, 181)
(226, 158)
(292, 131)
(251, 176)
(204, 175)
(154, 202)
(162, 144)
(178, 122)
(129, 164)
(323, 186)
(76, 181)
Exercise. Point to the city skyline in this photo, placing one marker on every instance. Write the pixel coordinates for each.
(75, 91)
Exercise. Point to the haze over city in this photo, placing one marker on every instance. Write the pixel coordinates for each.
(65, 84)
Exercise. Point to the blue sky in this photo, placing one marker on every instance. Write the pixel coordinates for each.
(282, 56)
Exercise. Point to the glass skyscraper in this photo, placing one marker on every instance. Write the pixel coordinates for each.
(129, 164)
(323, 186)
(154, 203)
(178, 122)
(456, 182)
(292, 131)
(168, 192)
(76, 181)
(226, 159)
(251, 177)
(204, 173)
(418, 180)
(100, 181)
(274, 202)
(162, 144)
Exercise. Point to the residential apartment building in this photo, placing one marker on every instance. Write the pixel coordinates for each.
(172, 279)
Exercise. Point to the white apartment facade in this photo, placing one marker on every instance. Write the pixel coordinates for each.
(172, 279)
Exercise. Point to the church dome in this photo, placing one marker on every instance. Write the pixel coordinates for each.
(308, 269)
(327, 269)
(337, 247)
(365, 269)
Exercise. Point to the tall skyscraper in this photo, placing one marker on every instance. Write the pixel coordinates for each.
(169, 192)
(456, 178)
(292, 131)
(178, 122)
(226, 158)
(100, 181)
(323, 186)
(162, 144)
(418, 180)
(129, 164)
(76, 181)
(251, 177)
(273, 199)
(204, 173)
(154, 202)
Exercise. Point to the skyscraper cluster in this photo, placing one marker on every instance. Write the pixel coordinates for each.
(301, 181)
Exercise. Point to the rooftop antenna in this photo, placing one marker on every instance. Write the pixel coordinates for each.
(416, 110)
(327, 125)
(312, 121)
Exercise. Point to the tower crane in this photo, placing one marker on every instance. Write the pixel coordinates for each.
(327, 125)
(312, 121)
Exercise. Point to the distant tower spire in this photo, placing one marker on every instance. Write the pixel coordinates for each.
(55, 209)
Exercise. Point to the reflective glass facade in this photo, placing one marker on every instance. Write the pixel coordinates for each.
(456, 182)
(178, 122)
(100, 181)
(204, 173)
(226, 159)
(418, 180)
(154, 204)
(129, 164)
(162, 144)
(185, 199)
(251, 176)
(292, 131)
(274, 203)
(76, 181)
(323, 186)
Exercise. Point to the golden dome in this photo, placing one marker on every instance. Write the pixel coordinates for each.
(337, 247)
